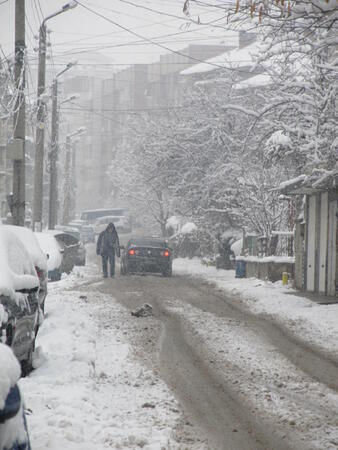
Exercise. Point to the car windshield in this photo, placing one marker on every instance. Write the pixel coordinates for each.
(108, 219)
(87, 229)
(148, 242)
(93, 215)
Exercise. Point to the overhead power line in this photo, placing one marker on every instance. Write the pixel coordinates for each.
(128, 110)
(185, 19)
(164, 47)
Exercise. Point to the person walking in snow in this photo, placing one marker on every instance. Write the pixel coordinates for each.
(107, 245)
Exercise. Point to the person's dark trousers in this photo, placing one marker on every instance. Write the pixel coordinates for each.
(111, 259)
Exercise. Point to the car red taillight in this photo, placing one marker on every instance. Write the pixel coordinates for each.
(131, 252)
(166, 253)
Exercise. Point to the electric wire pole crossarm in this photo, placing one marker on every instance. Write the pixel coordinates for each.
(40, 132)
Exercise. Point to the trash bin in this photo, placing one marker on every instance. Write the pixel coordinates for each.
(240, 269)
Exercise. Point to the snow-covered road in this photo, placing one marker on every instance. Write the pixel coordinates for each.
(89, 392)
(100, 384)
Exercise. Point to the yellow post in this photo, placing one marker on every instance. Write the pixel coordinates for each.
(285, 278)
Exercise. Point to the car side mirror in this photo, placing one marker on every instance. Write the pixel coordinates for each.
(47, 255)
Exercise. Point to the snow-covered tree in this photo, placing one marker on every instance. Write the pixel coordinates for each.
(193, 163)
(299, 52)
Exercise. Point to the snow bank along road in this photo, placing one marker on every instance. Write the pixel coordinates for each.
(244, 381)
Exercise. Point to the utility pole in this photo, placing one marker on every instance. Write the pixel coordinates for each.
(67, 205)
(73, 179)
(18, 203)
(53, 186)
(53, 191)
(40, 133)
(40, 130)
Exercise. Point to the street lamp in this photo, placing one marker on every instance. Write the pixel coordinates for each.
(53, 189)
(40, 129)
(68, 185)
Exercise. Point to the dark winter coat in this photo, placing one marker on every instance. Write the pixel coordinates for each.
(108, 242)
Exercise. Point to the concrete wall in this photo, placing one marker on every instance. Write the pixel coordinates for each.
(271, 270)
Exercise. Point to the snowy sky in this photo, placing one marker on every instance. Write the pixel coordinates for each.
(80, 30)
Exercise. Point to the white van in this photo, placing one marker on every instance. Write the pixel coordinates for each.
(92, 215)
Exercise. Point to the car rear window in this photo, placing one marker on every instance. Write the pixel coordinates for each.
(144, 242)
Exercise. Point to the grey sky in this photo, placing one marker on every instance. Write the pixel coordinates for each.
(79, 31)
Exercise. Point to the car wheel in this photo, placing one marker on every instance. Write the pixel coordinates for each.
(9, 335)
(167, 272)
(27, 364)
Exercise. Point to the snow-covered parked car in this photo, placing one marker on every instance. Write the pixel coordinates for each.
(53, 252)
(38, 257)
(80, 259)
(13, 427)
(69, 245)
(19, 304)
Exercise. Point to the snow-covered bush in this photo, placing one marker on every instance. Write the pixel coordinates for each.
(185, 242)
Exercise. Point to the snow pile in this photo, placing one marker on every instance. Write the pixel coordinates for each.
(89, 391)
(31, 244)
(265, 259)
(51, 248)
(16, 269)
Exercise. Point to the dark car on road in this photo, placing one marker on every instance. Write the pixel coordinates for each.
(146, 255)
